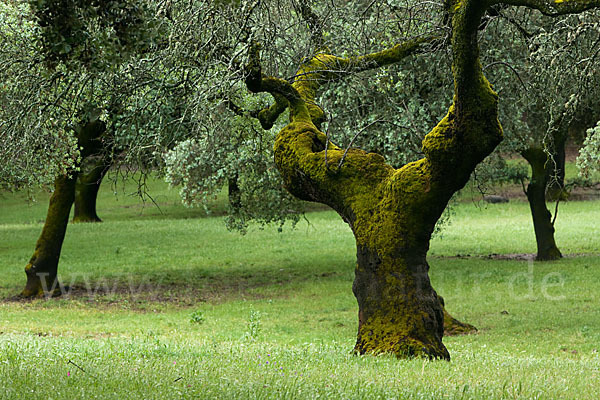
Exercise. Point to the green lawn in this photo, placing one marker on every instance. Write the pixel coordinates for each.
(172, 305)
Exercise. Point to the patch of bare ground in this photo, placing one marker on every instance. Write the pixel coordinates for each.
(508, 257)
(515, 193)
(143, 294)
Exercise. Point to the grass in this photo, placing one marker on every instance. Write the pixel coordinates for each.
(172, 305)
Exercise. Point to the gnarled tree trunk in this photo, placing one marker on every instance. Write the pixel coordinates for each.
(42, 269)
(536, 195)
(392, 212)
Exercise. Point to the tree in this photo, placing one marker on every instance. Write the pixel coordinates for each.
(550, 88)
(133, 74)
(42, 267)
(76, 47)
(392, 212)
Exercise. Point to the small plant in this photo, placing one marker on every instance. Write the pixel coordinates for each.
(197, 317)
(253, 326)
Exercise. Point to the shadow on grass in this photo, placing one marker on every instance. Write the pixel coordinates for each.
(176, 211)
(182, 288)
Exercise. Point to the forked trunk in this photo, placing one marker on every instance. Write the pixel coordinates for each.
(392, 212)
(536, 195)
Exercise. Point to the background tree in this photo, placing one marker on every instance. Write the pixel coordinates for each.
(75, 49)
(546, 70)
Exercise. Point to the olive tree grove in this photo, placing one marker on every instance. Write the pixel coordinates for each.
(190, 80)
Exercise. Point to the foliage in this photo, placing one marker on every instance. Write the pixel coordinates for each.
(91, 34)
(588, 161)
(35, 144)
(545, 69)
(217, 157)
(238, 153)
(63, 62)
(197, 317)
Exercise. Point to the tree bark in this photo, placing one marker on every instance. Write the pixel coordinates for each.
(86, 189)
(42, 269)
(392, 213)
(536, 195)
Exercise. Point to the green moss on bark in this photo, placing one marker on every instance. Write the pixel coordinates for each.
(42, 268)
(392, 212)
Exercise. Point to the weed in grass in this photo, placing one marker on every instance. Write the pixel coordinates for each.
(253, 326)
(197, 317)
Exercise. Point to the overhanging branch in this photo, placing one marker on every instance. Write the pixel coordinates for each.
(321, 69)
(553, 7)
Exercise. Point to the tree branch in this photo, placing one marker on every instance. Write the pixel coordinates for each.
(327, 67)
(553, 7)
(269, 115)
(320, 69)
(315, 25)
(239, 111)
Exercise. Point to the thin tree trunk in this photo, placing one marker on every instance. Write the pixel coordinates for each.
(536, 195)
(86, 190)
(42, 269)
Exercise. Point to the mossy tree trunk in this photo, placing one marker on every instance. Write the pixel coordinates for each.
(541, 170)
(392, 212)
(87, 187)
(42, 269)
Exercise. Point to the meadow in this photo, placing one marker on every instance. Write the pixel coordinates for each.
(166, 303)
